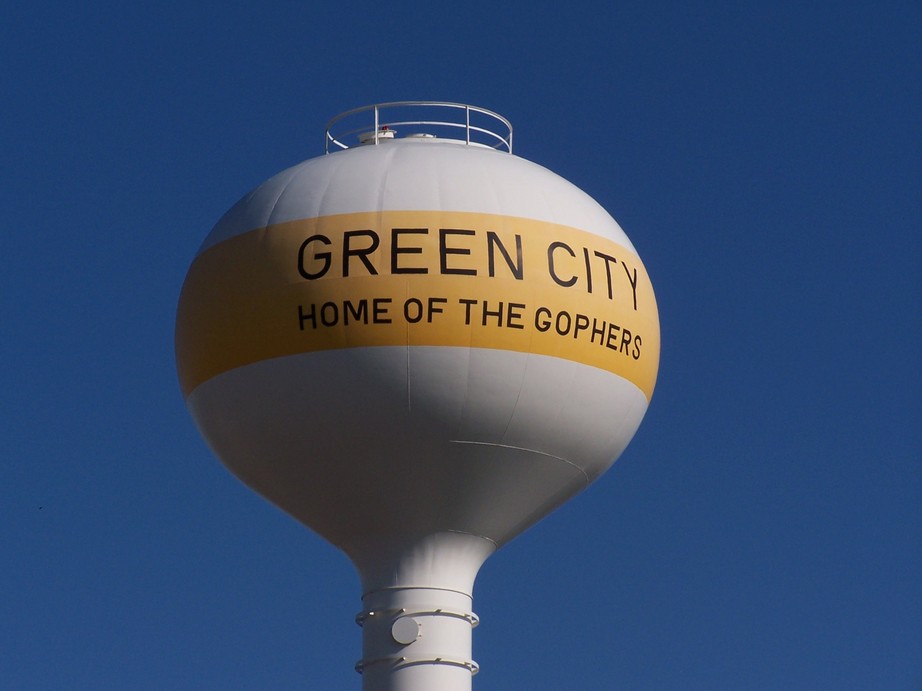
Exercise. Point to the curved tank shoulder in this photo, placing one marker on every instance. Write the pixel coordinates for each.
(417, 175)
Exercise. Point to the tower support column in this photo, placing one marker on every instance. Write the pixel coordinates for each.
(417, 622)
(416, 639)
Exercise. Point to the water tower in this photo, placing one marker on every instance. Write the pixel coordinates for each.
(417, 344)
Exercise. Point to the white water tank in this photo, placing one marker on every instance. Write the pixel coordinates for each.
(417, 346)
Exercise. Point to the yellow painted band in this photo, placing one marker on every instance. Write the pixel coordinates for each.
(417, 278)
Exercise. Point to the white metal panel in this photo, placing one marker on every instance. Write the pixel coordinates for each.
(417, 175)
(366, 444)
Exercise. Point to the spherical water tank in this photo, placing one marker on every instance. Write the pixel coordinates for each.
(417, 346)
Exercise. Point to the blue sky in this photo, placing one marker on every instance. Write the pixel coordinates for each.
(762, 531)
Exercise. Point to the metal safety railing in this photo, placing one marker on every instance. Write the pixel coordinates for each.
(375, 123)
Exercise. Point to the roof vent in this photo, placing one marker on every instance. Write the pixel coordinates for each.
(375, 136)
